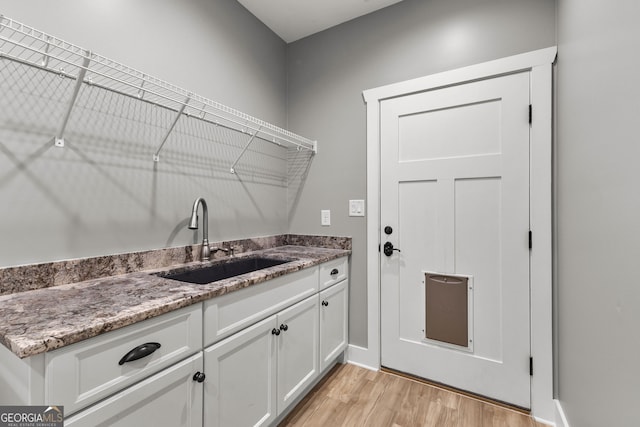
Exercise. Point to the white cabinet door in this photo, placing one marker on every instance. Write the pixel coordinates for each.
(169, 398)
(240, 387)
(297, 350)
(333, 322)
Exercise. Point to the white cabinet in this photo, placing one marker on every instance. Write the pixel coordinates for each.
(256, 373)
(172, 397)
(234, 311)
(81, 374)
(298, 343)
(85, 372)
(264, 346)
(240, 387)
(334, 306)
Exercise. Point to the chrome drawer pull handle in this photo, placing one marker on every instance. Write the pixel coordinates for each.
(139, 352)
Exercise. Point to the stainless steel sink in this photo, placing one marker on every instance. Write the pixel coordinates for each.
(222, 270)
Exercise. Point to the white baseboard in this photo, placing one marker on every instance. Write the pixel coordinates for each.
(561, 418)
(545, 422)
(362, 357)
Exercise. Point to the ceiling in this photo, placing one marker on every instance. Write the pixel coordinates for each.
(295, 19)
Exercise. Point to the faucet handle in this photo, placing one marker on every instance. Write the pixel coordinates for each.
(229, 251)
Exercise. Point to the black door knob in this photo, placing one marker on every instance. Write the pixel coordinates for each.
(284, 327)
(275, 331)
(325, 303)
(388, 249)
(199, 377)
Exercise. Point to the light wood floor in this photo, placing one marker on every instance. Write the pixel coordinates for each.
(354, 396)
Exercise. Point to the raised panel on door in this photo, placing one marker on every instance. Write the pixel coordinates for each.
(240, 388)
(169, 398)
(297, 350)
(333, 322)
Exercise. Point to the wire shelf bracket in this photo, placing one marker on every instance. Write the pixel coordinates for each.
(233, 166)
(156, 156)
(59, 138)
(45, 57)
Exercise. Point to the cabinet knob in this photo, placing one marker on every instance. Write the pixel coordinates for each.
(325, 303)
(275, 331)
(199, 377)
(284, 327)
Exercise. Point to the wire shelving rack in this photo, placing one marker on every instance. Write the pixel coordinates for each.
(34, 48)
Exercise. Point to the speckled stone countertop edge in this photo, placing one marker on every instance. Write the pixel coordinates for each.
(46, 319)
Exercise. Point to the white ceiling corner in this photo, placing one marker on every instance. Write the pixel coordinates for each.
(295, 19)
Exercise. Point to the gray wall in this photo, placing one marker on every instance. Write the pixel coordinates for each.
(598, 297)
(102, 193)
(329, 71)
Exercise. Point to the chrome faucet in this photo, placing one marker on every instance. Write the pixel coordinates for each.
(193, 225)
(205, 253)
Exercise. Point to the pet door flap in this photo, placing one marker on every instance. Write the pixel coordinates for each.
(447, 309)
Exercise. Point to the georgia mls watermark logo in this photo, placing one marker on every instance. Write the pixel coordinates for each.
(31, 416)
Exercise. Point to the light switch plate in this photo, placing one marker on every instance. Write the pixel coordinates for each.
(325, 217)
(356, 207)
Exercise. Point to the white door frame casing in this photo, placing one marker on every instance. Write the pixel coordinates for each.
(539, 64)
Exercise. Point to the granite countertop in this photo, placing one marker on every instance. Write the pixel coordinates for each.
(41, 320)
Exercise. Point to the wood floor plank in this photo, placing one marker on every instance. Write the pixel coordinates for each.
(351, 396)
(364, 400)
(498, 417)
(471, 412)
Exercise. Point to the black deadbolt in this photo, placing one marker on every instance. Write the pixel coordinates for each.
(388, 230)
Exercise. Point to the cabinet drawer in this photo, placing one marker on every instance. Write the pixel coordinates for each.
(230, 313)
(88, 371)
(333, 272)
(169, 398)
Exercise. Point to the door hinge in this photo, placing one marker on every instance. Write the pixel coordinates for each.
(530, 239)
(530, 113)
(531, 366)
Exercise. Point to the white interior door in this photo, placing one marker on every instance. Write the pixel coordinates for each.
(455, 192)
